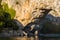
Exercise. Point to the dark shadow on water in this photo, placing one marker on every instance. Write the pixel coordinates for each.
(6, 38)
(28, 38)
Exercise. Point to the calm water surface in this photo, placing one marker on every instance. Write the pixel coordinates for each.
(27, 38)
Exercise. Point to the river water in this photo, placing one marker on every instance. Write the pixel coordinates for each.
(27, 38)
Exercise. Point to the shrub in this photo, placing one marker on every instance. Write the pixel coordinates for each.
(6, 18)
(9, 10)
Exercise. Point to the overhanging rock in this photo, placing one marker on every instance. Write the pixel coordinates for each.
(27, 10)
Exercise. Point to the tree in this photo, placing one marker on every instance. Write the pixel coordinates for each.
(6, 18)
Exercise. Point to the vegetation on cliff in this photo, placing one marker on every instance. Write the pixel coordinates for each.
(6, 18)
(9, 10)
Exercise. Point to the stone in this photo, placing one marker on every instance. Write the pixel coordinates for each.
(30, 11)
(27, 10)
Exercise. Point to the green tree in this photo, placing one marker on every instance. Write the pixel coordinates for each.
(6, 17)
(9, 10)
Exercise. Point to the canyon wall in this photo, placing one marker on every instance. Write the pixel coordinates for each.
(28, 10)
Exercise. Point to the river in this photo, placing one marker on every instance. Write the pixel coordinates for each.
(27, 38)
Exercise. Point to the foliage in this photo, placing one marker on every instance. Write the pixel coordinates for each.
(7, 22)
(9, 10)
(6, 18)
(0, 2)
(11, 25)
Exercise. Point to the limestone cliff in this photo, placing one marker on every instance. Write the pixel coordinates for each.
(28, 10)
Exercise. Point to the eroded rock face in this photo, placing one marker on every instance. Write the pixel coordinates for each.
(27, 10)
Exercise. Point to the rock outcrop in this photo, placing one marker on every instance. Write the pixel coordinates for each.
(28, 10)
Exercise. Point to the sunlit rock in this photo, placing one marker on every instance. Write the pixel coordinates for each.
(27, 10)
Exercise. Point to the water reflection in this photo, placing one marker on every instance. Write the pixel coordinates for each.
(19, 38)
(28, 38)
(25, 38)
